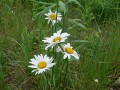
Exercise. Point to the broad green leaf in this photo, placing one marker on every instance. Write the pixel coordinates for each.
(40, 2)
(75, 2)
(62, 6)
(77, 23)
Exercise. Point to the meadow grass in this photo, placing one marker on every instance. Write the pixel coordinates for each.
(95, 32)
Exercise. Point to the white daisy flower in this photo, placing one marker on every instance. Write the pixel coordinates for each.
(41, 63)
(68, 52)
(55, 39)
(51, 16)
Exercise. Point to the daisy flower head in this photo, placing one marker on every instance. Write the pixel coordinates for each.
(69, 51)
(54, 17)
(57, 37)
(41, 63)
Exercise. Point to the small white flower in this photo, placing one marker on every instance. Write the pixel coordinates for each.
(53, 16)
(55, 39)
(96, 80)
(41, 63)
(68, 52)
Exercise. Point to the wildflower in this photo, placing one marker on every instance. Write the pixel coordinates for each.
(55, 39)
(53, 16)
(69, 51)
(41, 63)
(96, 80)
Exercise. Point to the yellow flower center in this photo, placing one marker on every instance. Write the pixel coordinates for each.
(42, 64)
(69, 50)
(53, 16)
(56, 39)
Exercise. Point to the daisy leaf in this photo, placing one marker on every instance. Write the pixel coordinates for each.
(62, 6)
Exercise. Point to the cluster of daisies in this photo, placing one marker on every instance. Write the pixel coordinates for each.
(41, 62)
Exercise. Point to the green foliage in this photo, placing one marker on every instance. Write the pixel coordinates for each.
(103, 9)
(23, 27)
(62, 6)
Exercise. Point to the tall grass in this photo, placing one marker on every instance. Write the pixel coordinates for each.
(96, 42)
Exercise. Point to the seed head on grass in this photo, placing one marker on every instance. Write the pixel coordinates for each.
(51, 16)
(41, 63)
(55, 39)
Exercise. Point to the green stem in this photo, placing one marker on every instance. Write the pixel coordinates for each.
(46, 81)
(52, 30)
(63, 27)
(53, 72)
(66, 71)
(38, 81)
(53, 78)
(57, 12)
(59, 77)
(62, 68)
